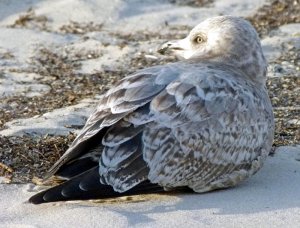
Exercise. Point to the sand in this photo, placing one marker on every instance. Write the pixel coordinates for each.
(270, 198)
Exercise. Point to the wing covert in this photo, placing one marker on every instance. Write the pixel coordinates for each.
(130, 94)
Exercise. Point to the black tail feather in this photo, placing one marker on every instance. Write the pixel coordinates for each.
(76, 167)
(87, 186)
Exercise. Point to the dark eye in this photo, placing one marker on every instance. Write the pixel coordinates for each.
(199, 39)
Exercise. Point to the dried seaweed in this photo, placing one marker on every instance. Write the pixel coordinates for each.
(275, 14)
(22, 158)
(30, 20)
(193, 3)
(284, 93)
(67, 87)
(80, 28)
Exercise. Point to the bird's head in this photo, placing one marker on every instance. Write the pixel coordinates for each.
(226, 39)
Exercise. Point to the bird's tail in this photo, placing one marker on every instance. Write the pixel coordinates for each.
(87, 186)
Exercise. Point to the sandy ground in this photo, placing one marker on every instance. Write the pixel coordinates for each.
(57, 56)
(270, 198)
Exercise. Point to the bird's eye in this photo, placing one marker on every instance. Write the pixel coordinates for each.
(199, 39)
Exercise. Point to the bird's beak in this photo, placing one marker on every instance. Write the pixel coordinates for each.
(172, 47)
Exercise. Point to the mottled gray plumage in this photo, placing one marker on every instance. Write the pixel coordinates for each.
(205, 122)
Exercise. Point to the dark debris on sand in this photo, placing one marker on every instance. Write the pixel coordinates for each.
(284, 91)
(67, 87)
(23, 158)
(275, 14)
(80, 28)
(32, 21)
(193, 3)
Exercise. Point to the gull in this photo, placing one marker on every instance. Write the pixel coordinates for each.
(202, 123)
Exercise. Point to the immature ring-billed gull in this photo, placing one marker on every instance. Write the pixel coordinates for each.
(203, 123)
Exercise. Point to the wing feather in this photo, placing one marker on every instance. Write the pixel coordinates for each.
(120, 133)
(130, 94)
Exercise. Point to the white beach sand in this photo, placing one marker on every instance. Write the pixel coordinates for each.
(269, 199)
